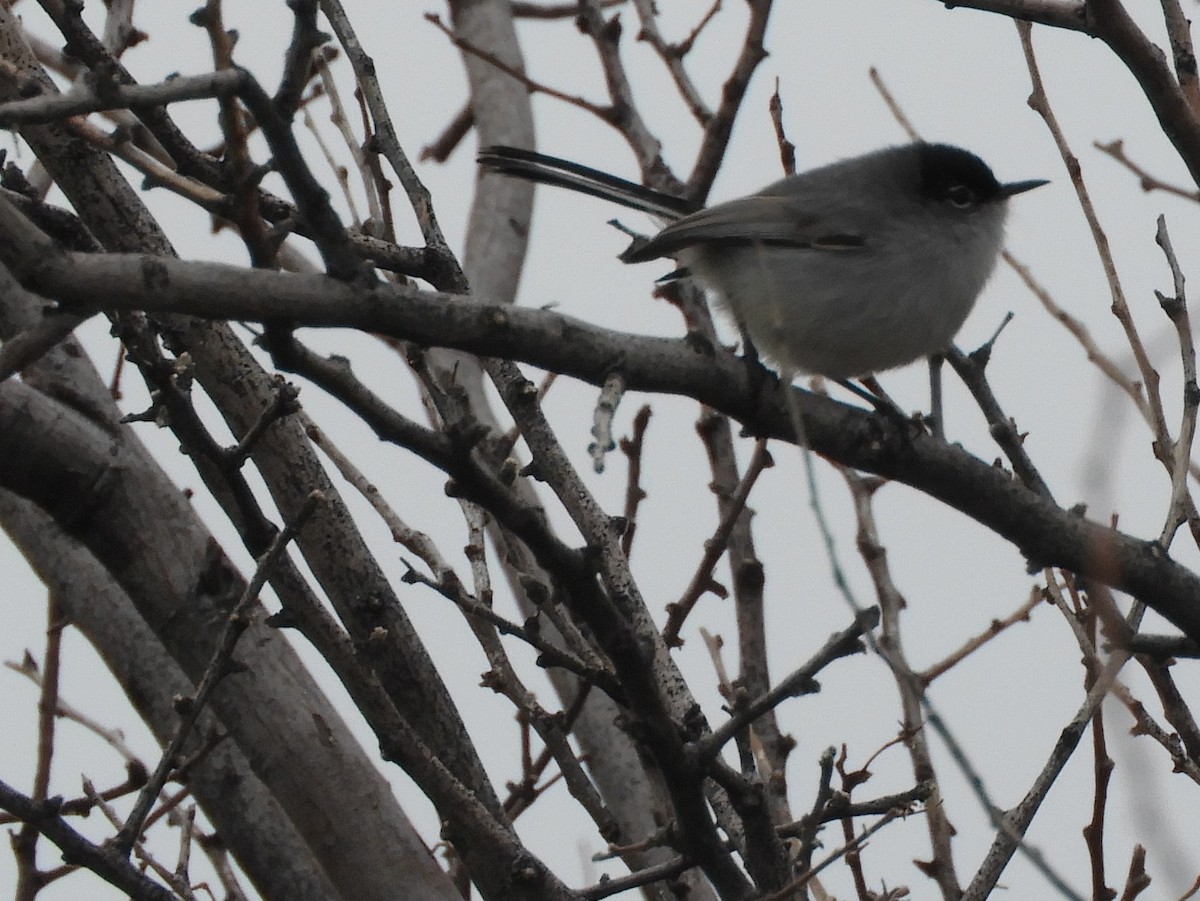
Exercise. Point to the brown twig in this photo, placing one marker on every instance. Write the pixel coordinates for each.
(30, 879)
(1177, 455)
(521, 796)
(408, 537)
(1102, 770)
(549, 654)
(1012, 824)
(1137, 880)
(941, 867)
(1040, 103)
(893, 107)
(1145, 724)
(810, 824)
(714, 547)
(856, 844)
(1082, 335)
(970, 369)
(459, 126)
(631, 447)
(787, 150)
(533, 85)
(733, 91)
(502, 678)
(1020, 615)
(446, 272)
(672, 54)
(106, 862)
(1116, 149)
(240, 170)
(622, 113)
(658, 873)
(1192, 891)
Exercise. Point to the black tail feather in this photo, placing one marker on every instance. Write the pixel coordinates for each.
(550, 170)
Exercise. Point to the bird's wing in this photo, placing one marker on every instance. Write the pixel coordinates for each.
(757, 219)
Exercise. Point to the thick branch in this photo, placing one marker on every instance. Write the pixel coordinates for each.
(1047, 534)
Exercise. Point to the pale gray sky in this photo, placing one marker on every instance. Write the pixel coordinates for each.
(961, 78)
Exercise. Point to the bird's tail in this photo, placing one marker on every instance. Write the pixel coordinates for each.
(550, 170)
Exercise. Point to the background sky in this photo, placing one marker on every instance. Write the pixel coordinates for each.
(960, 76)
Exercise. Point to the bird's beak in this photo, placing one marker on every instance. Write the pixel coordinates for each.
(1020, 187)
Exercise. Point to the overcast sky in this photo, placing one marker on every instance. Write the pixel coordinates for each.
(961, 78)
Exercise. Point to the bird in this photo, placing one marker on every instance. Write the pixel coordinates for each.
(845, 270)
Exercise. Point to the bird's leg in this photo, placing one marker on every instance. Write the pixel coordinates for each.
(875, 396)
(936, 423)
(754, 368)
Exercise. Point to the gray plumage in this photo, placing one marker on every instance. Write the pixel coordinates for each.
(848, 269)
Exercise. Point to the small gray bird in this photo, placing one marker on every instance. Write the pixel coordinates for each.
(843, 271)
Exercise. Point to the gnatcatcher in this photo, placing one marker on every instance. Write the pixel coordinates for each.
(846, 270)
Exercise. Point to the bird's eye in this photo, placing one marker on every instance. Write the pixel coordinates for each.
(960, 196)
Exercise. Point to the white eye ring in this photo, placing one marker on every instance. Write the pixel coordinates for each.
(961, 197)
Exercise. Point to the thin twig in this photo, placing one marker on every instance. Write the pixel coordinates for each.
(970, 368)
(893, 107)
(809, 825)
(1020, 615)
(1040, 103)
(406, 536)
(1137, 880)
(715, 546)
(788, 891)
(533, 85)
(622, 113)
(526, 10)
(912, 693)
(1116, 149)
(1102, 770)
(218, 667)
(106, 862)
(787, 150)
(733, 91)
(631, 447)
(799, 681)
(1182, 507)
(550, 655)
(672, 54)
(1082, 335)
(29, 879)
